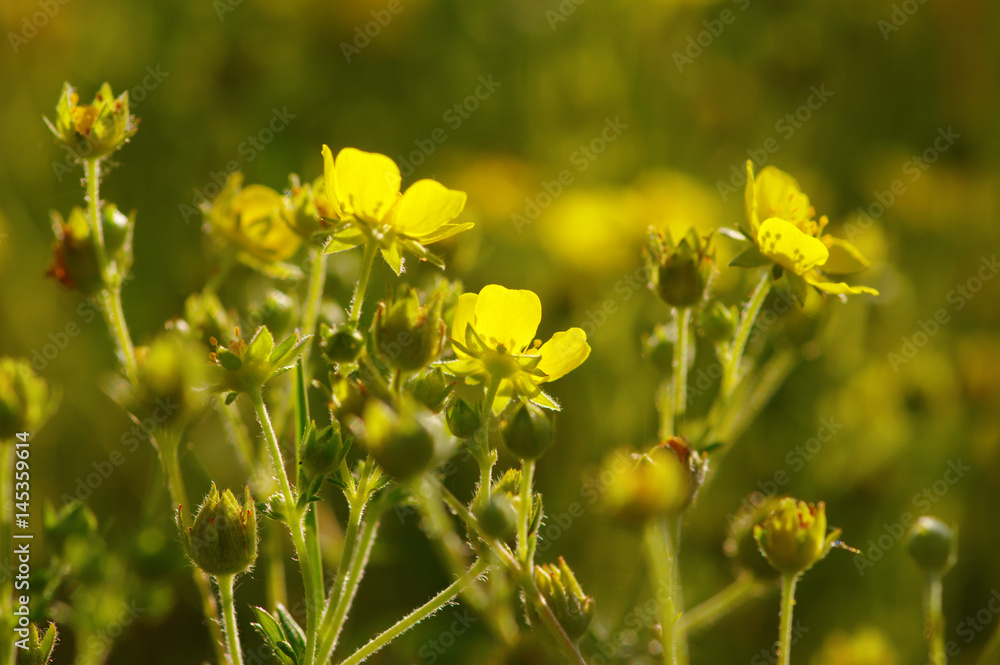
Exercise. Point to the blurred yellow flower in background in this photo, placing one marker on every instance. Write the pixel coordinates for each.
(866, 646)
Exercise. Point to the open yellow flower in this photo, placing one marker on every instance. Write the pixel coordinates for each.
(362, 192)
(90, 131)
(784, 233)
(493, 336)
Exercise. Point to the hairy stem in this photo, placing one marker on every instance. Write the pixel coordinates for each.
(229, 611)
(662, 554)
(683, 316)
(524, 512)
(418, 615)
(167, 448)
(367, 261)
(731, 377)
(788, 583)
(313, 587)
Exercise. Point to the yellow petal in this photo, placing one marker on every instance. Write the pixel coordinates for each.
(845, 258)
(779, 195)
(426, 206)
(510, 317)
(330, 182)
(563, 353)
(366, 183)
(465, 313)
(786, 245)
(837, 288)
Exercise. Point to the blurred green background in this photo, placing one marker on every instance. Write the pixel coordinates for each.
(692, 89)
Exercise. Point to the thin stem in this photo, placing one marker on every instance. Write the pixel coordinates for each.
(313, 587)
(119, 330)
(336, 614)
(314, 296)
(663, 569)
(92, 168)
(167, 447)
(934, 618)
(277, 590)
(735, 360)
(788, 583)
(418, 615)
(480, 445)
(6, 553)
(743, 588)
(524, 511)
(683, 316)
(229, 610)
(367, 261)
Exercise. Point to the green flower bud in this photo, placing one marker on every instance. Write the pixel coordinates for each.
(90, 131)
(793, 537)
(741, 546)
(464, 420)
(40, 647)
(322, 450)
(347, 396)
(718, 322)
(572, 607)
(498, 518)
(681, 270)
(932, 544)
(170, 380)
(75, 263)
(433, 389)
(25, 400)
(223, 538)
(398, 441)
(342, 343)
(306, 213)
(408, 335)
(638, 488)
(529, 432)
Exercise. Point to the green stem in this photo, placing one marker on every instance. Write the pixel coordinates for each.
(731, 377)
(743, 588)
(683, 317)
(92, 168)
(229, 611)
(934, 618)
(367, 261)
(314, 296)
(524, 512)
(480, 445)
(167, 447)
(336, 613)
(662, 555)
(418, 615)
(788, 583)
(119, 330)
(6, 553)
(313, 587)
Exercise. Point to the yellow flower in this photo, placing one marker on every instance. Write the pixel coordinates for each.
(793, 537)
(784, 233)
(362, 192)
(258, 221)
(92, 130)
(493, 336)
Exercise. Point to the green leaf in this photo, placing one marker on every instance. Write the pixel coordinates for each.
(261, 346)
(293, 632)
(267, 626)
(231, 397)
(750, 257)
(394, 257)
(230, 360)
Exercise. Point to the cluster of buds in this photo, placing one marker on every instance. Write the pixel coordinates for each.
(223, 538)
(562, 593)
